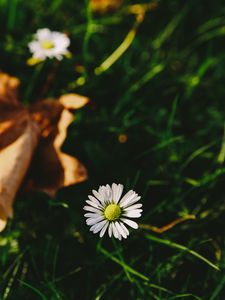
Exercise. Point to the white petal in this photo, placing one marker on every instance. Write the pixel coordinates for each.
(43, 34)
(59, 57)
(93, 204)
(103, 192)
(130, 223)
(103, 230)
(93, 199)
(114, 190)
(34, 46)
(127, 197)
(92, 221)
(133, 197)
(131, 201)
(132, 207)
(119, 236)
(91, 215)
(92, 209)
(133, 213)
(117, 190)
(101, 189)
(108, 191)
(36, 50)
(99, 196)
(110, 230)
(97, 227)
(124, 228)
(115, 231)
(60, 39)
(121, 230)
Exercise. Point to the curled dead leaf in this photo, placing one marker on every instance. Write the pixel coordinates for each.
(58, 169)
(3, 218)
(73, 101)
(14, 162)
(31, 139)
(12, 125)
(8, 89)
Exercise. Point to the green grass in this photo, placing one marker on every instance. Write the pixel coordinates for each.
(163, 87)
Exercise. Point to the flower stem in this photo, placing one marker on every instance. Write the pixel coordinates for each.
(122, 264)
(32, 83)
(121, 259)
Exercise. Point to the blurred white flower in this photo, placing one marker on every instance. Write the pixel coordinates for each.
(107, 210)
(49, 44)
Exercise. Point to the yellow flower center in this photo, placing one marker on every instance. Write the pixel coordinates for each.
(47, 45)
(112, 212)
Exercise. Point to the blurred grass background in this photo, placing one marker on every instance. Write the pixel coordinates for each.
(155, 123)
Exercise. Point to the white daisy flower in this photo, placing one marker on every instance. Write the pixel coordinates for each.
(107, 210)
(50, 44)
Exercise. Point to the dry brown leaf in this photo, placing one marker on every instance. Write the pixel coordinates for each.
(8, 89)
(14, 163)
(3, 218)
(12, 125)
(33, 139)
(103, 6)
(73, 101)
(57, 169)
(74, 170)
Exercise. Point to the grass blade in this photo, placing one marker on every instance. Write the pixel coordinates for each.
(182, 248)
